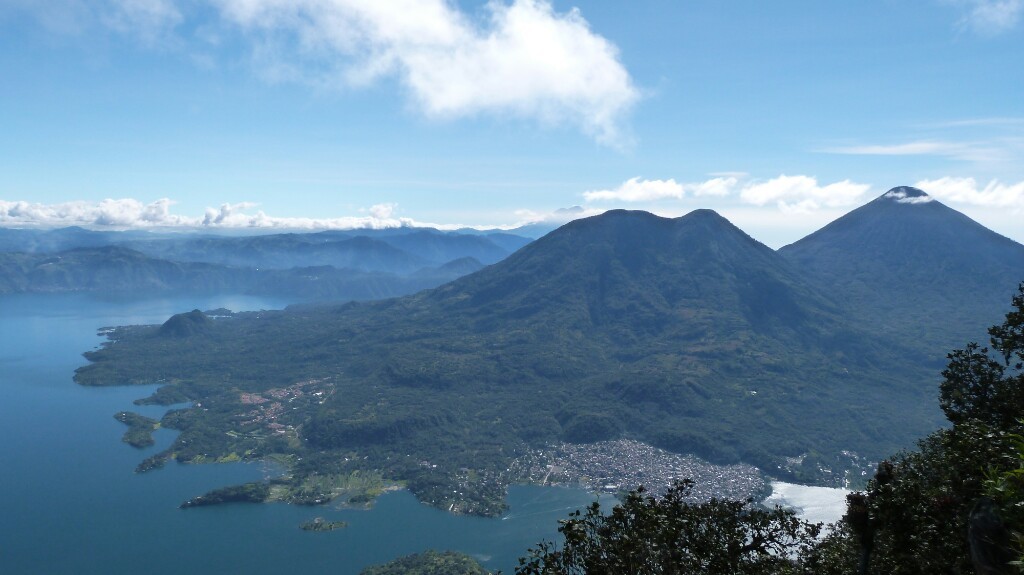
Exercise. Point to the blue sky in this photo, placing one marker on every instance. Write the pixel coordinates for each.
(319, 113)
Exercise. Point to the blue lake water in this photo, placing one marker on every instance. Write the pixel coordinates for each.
(71, 503)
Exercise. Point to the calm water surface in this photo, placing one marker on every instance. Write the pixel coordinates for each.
(71, 503)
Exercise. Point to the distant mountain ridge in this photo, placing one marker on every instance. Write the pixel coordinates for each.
(336, 265)
(397, 250)
(119, 270)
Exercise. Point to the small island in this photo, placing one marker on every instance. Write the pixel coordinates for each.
(429, 563)
(140, 429)
(320, 524)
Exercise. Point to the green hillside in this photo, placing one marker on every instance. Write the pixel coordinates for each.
(684, 333)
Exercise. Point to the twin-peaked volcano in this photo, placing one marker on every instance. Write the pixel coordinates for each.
(634, 270)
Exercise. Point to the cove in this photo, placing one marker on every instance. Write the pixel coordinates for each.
(71, 502)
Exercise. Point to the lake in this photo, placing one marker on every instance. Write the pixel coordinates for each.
(70, 501)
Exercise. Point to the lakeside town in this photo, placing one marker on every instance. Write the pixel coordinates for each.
(623, 465)
(270, 404)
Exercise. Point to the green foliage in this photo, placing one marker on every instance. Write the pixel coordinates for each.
(1006, 489)
(920, 509)
(186, 324)
(429, 563)
(644, 535)
(590, 428)
(140, 429)
(921, 272)
(245, 493)
(321, 525)
(685, 333)
(952, 506)
(116, 269)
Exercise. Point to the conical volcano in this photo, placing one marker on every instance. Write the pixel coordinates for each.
(915, 269)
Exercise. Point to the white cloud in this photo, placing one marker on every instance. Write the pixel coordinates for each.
(966, 151)
(991, 17)
(524, 59)
(923, 147)
(517, 58)
(107, 213)
(150, 20)
(995, 194)
(559, 216)
(802, 194)
(719, 187)
(901, 197)
(637, 190)
(997, 121)
(130, 213)
(382, 211)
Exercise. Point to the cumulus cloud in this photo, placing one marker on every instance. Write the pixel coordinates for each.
(121, 213)
(991, 17)
(382, 211)
(518, 58)
(638, 190)
(995, 194)
(130, 213)
(523, 59)
(802, 194)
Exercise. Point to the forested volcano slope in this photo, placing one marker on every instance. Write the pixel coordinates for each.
(685, 333)
(913, 269)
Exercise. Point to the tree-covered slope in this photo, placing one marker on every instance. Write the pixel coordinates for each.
(119, 270)
(401, 251)
(113, 269)
(685, 333)
(914, 269)
(429, 563)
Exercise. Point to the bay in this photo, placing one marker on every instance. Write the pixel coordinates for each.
(70, 501)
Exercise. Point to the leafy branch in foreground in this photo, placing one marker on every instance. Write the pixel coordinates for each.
(954, 505)
(674, 535)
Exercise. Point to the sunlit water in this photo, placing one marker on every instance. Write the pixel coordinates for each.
(815, 504)
(71, 503)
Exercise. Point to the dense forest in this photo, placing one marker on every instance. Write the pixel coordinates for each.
(685, 333)
(953, 505)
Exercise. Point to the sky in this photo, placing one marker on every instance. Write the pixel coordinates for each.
(313, 114)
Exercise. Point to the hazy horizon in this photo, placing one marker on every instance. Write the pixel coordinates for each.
(314, 115)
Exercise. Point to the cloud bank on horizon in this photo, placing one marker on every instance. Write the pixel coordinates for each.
(130, 213)
(804, 194)
(798, 194)
(791, 194)
(522, 59)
